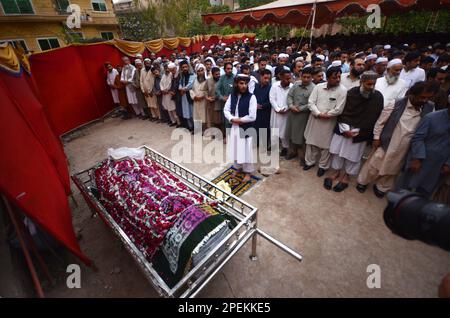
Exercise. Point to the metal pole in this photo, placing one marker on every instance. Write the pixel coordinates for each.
(312, 25)
(26, 252)
(253, 255)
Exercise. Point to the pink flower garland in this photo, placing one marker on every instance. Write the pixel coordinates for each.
(144, 199)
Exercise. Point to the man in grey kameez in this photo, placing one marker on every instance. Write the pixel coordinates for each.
(428, 160)
(186, 82)
(297, 101)
(392, 136)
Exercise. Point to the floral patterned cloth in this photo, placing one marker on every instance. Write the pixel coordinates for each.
(144, 199)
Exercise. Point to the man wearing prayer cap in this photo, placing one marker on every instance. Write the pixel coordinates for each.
(387, 47)
(390, 85)
(354, 129)
(370, 61)
(139, 56)
(380, 66)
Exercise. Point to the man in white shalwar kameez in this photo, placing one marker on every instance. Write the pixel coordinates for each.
(240, 110)
(278, 99)
(391, 85)
(127, 78)
(110, 79)
(326, 102)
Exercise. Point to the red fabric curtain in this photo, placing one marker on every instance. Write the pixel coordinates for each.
(32, 162)
(66, 88)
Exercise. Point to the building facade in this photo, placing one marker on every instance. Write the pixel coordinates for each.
(39, 25)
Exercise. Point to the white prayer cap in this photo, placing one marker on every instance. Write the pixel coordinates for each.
(381, 60)
(171, 65)
(283, 56)
(321, 56)
(199, 66)
(196, 61)
(203, 47)
(223, 44)
(371, 57)
(209, 52)
(445, 68)
(139, 56)
(394, 62)
(211, 47)
(406, 44)
(235, 63)
(266, 45)
(147, 60)
(336, 63)
(227, 49)
(387, 47)
(137, 61)
(300, 58)
(209, 58)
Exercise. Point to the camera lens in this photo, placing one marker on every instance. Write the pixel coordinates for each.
(414, 217)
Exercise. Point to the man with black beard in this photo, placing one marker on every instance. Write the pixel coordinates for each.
(391, 85)
(350, 80)
(354, 129)
(214, 105)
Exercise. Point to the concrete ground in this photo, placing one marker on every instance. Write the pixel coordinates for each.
(339, 235)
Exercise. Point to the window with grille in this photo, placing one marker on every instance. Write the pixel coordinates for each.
(107, 35)
(99, 5)
(17, 6)
(61, 5)
(48, 43)
(18, 43)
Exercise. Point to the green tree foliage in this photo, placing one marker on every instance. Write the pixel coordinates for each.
(183, 18)
(410, 22)
(245, 4)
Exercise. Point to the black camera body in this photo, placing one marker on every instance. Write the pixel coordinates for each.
(414, 217)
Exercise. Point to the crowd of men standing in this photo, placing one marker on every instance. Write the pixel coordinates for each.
(380, 113)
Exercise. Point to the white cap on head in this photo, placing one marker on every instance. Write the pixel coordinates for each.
(283, 56)
(394, 62)
(336, 63)
(223, 44)
(199, 66)
(300, 58)
(371, 57)
(235, 63)
(139, 56)
(266, 46)
(171, 65)
(209, 52)
(137, 61)
(387, 47)
(321, 56)
(203, 47)
(147, 60)
(227, 49)
(381, 60)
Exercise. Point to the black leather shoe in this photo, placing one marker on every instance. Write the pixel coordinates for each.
(361, 188)
(340, 187)
(321, 172)
(306, 167)
(328, 183)
(378, 193)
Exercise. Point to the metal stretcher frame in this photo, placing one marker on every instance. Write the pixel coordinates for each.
(199, 276)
